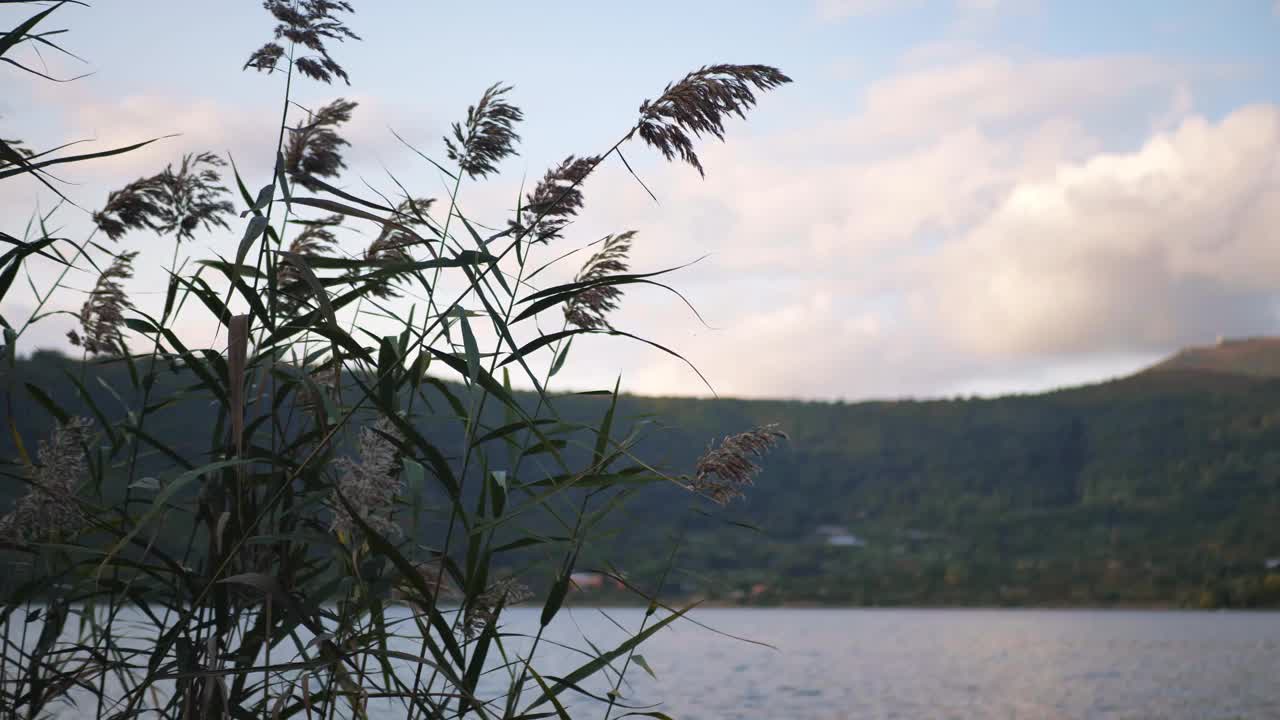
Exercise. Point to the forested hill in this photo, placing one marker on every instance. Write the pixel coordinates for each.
(1162, 488)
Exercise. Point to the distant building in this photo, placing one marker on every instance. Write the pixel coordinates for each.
(1271, 563)
(845, 540)
(593, 581)
(839, 536)
(586, 580)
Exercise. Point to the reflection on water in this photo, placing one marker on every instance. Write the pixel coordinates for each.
(909, 664)
(980, 664)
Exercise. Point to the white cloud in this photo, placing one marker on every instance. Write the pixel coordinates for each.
(826, 241)
(902, 250)
(970, 229)
(200, 124)
(1167, 245)
(990, 89)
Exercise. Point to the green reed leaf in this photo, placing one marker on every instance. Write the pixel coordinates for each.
(162, 498)
(644, 665)
(555, 598)
(47, 403)
(561, 712)
(594, 666)
(257, 225)
(469, 345)
(14, 36)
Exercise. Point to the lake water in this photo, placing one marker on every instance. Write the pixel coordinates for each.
(979, 664)
(923, 664)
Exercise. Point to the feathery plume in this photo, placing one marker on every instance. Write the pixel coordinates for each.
(308, 23)
(326, 378)
(316, 240)
(136, 206)
(722, 472)
(483, 609)
(699, 103)
(434, 577)
(314, 150)
(588, 308)
(192, 196)
(49, 509)
(371, 484)
(556, 199)
(413, 211)
(102, 314)
(265, 58)
(391, 247)
(488, 134)
(172, 201)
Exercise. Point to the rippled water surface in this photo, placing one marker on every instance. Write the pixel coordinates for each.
(909, 664)
(980, 664)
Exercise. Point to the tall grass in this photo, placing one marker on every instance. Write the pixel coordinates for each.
(368, 505)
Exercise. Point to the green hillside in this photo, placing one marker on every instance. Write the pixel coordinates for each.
(1158, 489)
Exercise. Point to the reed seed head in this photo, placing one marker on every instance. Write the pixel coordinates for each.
(556, 200)
(49, 508)
(265, 58)
(483, 610)
(314, 150)
(136, 206)
(391, 247)
(317, 239)
(102, 315)
(173, 201)
(698, 104)
(488, 135)
(326, 378)
(723, 472)
(589, 308)
(371, 483)
(434, 577)
(193, 196)
(308, 23)
(413, 211)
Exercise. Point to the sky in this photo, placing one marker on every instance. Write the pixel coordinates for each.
(954, 197)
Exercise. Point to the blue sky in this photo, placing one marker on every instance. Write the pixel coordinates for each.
(954, 196)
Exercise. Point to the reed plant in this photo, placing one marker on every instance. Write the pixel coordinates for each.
(368, 505)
